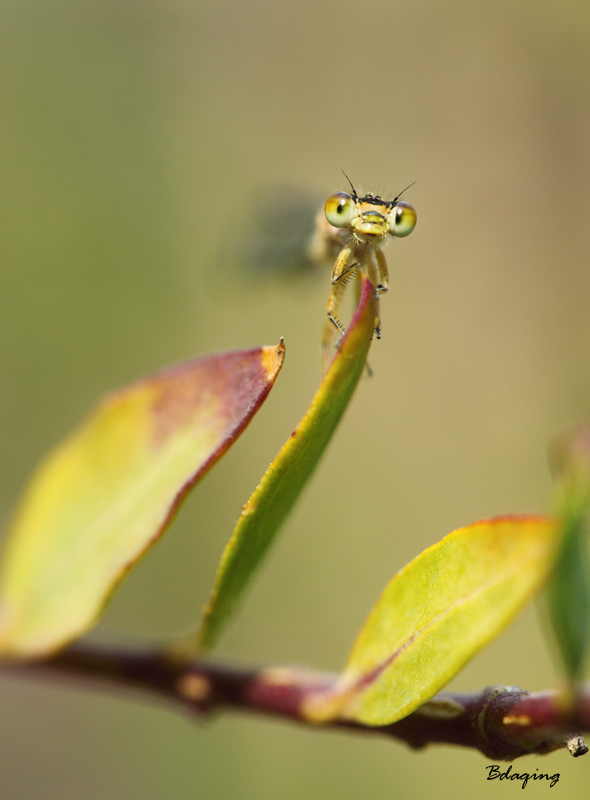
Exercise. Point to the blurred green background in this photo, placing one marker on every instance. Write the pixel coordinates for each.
(133, 137)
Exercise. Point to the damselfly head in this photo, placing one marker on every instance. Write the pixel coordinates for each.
(370, 218)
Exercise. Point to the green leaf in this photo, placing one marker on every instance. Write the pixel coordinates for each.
(104, 496)
(282, 483)
(569, 590)
(437, 613)
(568, 598)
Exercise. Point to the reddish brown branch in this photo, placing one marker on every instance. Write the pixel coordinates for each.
(502, 722)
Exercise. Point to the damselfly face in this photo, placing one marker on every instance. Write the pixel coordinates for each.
(370, 218)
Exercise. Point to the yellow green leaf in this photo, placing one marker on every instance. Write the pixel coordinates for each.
(438, 612)
(282, 483)
(103, 497)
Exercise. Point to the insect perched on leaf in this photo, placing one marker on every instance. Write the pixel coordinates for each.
(355, 227)
(275, 238)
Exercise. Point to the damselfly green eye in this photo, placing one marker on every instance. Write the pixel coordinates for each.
(340, 209)
(402, 219)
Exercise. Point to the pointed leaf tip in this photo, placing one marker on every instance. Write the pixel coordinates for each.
(102, 497)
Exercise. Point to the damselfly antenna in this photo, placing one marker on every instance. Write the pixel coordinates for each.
(395, 199)
(354, 194)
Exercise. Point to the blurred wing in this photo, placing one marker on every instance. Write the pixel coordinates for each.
(274, 236)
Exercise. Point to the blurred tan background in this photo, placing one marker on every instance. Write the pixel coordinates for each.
(133, 136)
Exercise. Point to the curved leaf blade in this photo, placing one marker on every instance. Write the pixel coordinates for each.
(285, 478)
(109, 491)
(437, 612)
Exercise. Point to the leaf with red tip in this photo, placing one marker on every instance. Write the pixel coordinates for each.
(103, 497)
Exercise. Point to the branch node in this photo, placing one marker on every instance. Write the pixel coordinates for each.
(577, 746)
(194, 688)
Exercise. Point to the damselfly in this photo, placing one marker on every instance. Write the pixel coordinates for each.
(275, 236)
(356, 227)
